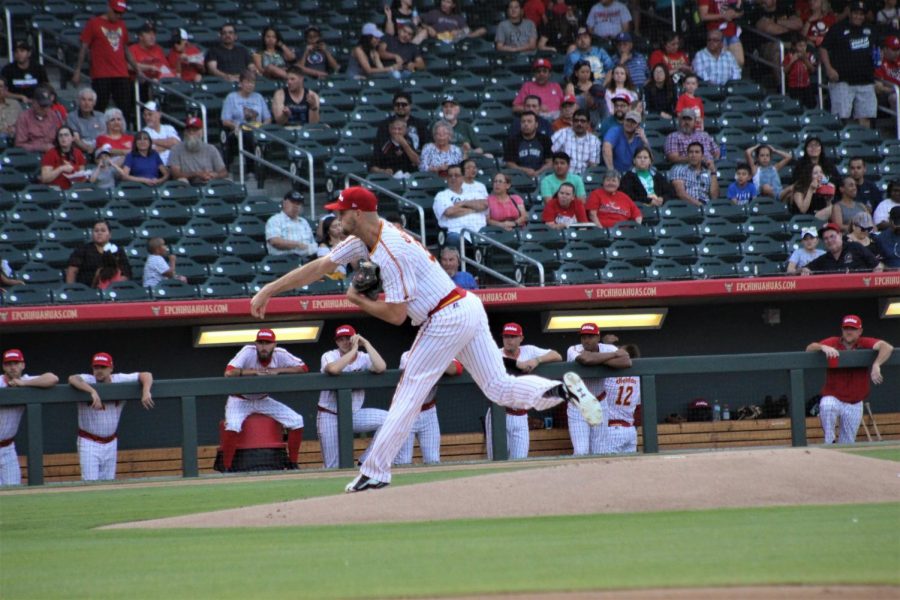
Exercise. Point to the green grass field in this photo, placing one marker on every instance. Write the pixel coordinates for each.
(50, 549)
(882, 453)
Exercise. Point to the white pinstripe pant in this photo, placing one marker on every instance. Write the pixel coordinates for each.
(10, 472)
(98, 461)
(428, 430)
(585, 439)
(459, 331)
(364, 420)
(517, 436)
(619, 440)
(830, 408)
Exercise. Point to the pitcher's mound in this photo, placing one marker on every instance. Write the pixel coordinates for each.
(742, 478)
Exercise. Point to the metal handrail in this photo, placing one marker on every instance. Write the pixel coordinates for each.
(896, 111)
(9, 34)
(381, 190)
(56, 63)
(292, 148)
(169, 90)
(654, 15)
(780, 65)
(515, 253)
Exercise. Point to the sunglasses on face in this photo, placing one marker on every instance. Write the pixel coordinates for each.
(401, 103)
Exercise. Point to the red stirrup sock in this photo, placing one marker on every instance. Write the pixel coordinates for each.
(294, 438)
(229, 446)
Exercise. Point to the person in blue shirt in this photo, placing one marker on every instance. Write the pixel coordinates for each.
(742, 190)
(144, 164)
(622, 141)
(600, 60)
(888, 241)
(243, 111)
(450, 263)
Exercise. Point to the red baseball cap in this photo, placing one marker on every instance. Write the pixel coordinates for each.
(355, 198)
(852, 322)
(265, 335)
(193, 123)
(102, 359)
(570, 99)
(541, 63)
(892, 42)
(512, 329)
(830, 227)
(344, 330)
(13, 355)
(118, 5)
(590, 329)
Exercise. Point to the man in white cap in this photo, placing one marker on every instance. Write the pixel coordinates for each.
(164, 136)
(806, 253)
(186, 59)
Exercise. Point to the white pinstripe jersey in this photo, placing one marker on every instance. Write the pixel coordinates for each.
(409, 273)
(594, 384)
(246, 358)
(362, 362)
(623, 394)
(11, 416)
(104, 422)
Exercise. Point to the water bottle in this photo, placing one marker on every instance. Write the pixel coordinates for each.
(726, 414)
(717, 411)
(723, 151)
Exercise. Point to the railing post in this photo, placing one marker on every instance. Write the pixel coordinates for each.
(819, 88)
(189, 464)
(649, 414)
(498, 432)
(9, 35)
(35, 443)
(781, 67)
(798, 408)
(345, 429)
(240, 144)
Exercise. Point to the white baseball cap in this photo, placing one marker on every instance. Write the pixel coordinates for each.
(372, 29)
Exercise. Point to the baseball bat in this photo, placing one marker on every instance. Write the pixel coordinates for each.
(874, 423)
(866, 429)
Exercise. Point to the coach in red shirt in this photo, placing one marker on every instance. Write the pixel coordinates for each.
(845, 389)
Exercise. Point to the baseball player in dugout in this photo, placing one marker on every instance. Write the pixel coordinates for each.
(263, 357)
(353, 354)
(845, 389)
(587, 438)
(452, 324)
(98, 420)
(10, 416)
(519, 360)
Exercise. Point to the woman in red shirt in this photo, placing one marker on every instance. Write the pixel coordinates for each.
(564, 209)
(63, 163)
(671, 54)
(607, 206)
(120, 143)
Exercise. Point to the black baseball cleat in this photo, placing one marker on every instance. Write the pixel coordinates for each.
(574, 390)
(292, 466)
(363, 483)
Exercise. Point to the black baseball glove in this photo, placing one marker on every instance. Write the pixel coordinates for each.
(367, 279)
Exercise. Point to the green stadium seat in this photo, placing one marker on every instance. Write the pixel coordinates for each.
(632, 231)
(423, 80)
(356, 149)
(40, 274)
(76, 293)
(738, 120)
(663, 269)
(829, 137)
(13, 180)
(745, 88)
(364, 132)
(224, 190)
(63, 232)
(250, 226)
(855, 132)
(593, 176)
(222, 287)
(8, 199)
(597, 237)
(759, 266)
(205, 229)
(782, 103)
(123, 212)
(16, 257)
(180, 192)
(320, 134)
(723, 228)
(21, 160)
(621, 272)
(538, 233)
(768, 207)
(574, 274)
(766, 226)
(333, 117)
(172, 289)
(323, 287)
(169, 211)
(725, 209)
(233, 268)
(675, 229)
(712, 268)
(719, 248)
(427, 182)
(368, 114)
(798, 222)
(779, 119)
(52, 254)
(194, 271)
(822, 118)
(740, 104)
(243, 247)
(583, 253)
(495, 111)
(259, 206)
(764, 246)
(687, 213)
(42, 195)
(136, 193)
(157, 228)
(868, 151)
(77, 214)
(28, 295)
(33, 217)
(195, 249)
(674, 249)
(780, 138)
(277, 265)
(213, 209)
(630, 252)
(525, 271)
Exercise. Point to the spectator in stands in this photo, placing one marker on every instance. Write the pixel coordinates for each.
(841, 256)
(504, 209)
(564, 209)
(621, 106)
(561, 174)
(689, 99)
(888, 70)
(765, 174)
(722, 17)
(10, 109)
(634, 62)
(695, 181)
(608, 205)
(106, 37)
(36, 127)
(884, 208)
(659, 92)
(86, 260)
(861, 229)
(670, 54)
(582, 88)
(287, 232)
(164, 137)
(447, 24)
(404, 12)
(86, 123)
(806, 253)
(742, 190)
(601, 62)
(274, 55)
(144, 164)
(622, 141)
(582, 146)
(119, 142)
(549, 92)
(714, 64)
(396, 157)
(450, 263)
(847, 206)
(533, 103)
(160, 263)
(779, 20)
(818, 19)
(813, 194)
(457, 208)
(529, 151)
(800, 65)
(402, 50)
(437, 156)
(110, 269)
(294, 105)
(566, 113)
(149, 56)
(678, 141)
(332, 235)
(186, 59)
(813, 154)
(643, 183)
(608, 18)
(888, 241)
(193, 160)
(464, 134)
(317, 60)
(846, 55)
(23, 75)
(556, 33)
(7, 277)
(515, 34)
(243, 111)
(228, 59)
(64, 163)
(105, 172)
(889, 15)
(365, 59)
(619, 85)
(417, 129)
(58, 106)
(867, 192)
(471, 186)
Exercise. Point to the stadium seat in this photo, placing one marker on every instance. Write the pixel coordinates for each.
(727, 210)
(723, 228)
(766, 226)
(780, 138)
(620, 272)
(739, 120)
(423, 80)
(675, 229)
(768, 207)
(632, 231)
(663, 269)
(574, 274)
(719, 248)
(323, 287)
(630, 252)
(583, 253)
(764, 246)
(526, 272)
(829, 137)
(868, 151)
(40, 274)
(33, 217)
(740, 104)
(798, 222)
(52, 254)
(759, 266)
(253, 227)
(277, 265)
(196, 249)
(822, 118)
(21, 160)
(213, 209)
(136, 193)
(233, 268)
(123, 212)
(172, 289)
(192, 270)
(76, 293)
(674, 249)
(539, 233)
(25, 295)
(13, 180)
(63, 232)
(854, 132)
(224, 190)
(221, 287)
(243, 247)
(169, 211)
(259, 206)
(42, 195)
(597, 237)
(687, 213)
(744, 88)
(156, 228)
(782, 103)
(8, 199)
(180, 192)
(425, 181)
(364, 132)
(77, 214)
(357, 149)
(16, 257)
(712, 268)
(650, 214)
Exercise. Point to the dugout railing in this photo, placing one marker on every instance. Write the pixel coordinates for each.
(189, 391)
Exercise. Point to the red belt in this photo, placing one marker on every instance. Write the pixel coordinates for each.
(428, 405)
(5, 443)
(617, 423)
(449, 299)
(326, 410)
(516, 412)
(96, 438)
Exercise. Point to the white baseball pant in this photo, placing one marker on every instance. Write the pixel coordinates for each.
(585, 439)
(10, 472)
(830, 408)
(517, 436)
(98, 460)
(237, 410)
(459, 330)
(364, 420)
(428, 430)
(619, 440)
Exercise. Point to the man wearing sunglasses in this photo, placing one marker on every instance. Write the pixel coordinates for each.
(416, 128)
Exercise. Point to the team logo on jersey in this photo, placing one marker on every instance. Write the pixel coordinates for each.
(113, 36)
